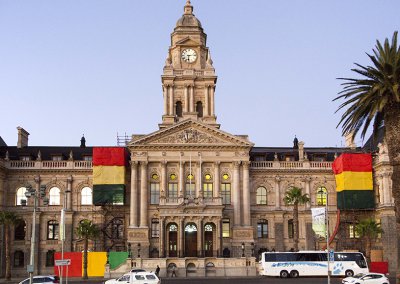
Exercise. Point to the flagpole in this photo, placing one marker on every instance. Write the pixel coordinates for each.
(327, 236)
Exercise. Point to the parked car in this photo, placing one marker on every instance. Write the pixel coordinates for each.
(141, 277)
(134, 270)
(42, 279)
(366, 278)
(124, 279)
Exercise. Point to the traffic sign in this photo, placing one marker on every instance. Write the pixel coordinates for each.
(62, 262)
(331, 255)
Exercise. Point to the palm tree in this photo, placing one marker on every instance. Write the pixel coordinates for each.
(8, 219)
(86, 231)
(295, 197)
(368, 229)
(375, 96)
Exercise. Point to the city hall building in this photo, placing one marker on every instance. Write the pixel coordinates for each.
(194, 194)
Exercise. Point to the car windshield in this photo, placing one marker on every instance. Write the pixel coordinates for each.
(359, 275)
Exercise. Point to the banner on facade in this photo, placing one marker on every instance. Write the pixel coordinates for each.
(318, 221)
(109, 175)
(354, 184)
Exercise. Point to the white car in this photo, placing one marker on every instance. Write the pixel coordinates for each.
(136, 278)
(42, 279)
(366, 278)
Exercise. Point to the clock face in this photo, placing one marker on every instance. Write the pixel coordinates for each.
(189, 55)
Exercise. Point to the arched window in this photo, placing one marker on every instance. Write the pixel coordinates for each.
(155, 189)
(321, 196)
(52, 230)
(178, 110)
(86, 196)
(190, 190)
(262, 229)
(226, 189)
(190, 228)
(20, 231)
(18, 258)
(199, 109)
(20, 195)
(54, 195)
(172, 193)
(207, 186)
(261, 196)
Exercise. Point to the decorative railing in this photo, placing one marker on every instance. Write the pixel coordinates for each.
(77, 165)
(291, 165)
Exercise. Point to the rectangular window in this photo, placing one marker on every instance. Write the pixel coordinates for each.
(190, 190)
(226, 230)
(50, 258)
(154, 193)
(155, 229)
(25, 158)
(290, 229)
(352, 232)
(87, 158)
(52, 231)
(226, 193)
(207, 190)
(57, 158)
(262, 230)
(173, 190)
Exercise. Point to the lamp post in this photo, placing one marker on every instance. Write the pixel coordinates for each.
(252, 249)
(130, 253)
(31, 192)
(138, 250)
(242, 249)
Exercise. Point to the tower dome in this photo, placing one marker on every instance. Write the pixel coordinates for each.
(188, 19)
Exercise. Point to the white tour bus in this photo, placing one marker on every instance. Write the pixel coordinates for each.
(312, 263)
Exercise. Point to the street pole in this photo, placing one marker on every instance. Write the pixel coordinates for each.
(33, 240)
(327, 236)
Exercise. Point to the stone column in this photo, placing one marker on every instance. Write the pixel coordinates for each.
(206, 101)
(164, 179)
(217, 179)
(38, 249)
(165, 95)
(161, 239)
(181, 179)
(171, 99)
(200, 241)
(387, 199)
(199, 179)
(186, 107)
(307, 181)
(212, 105)
(134, 193)
(181, 238)
(69, 194)
(236, 193)
(191, 101)
(246, 193)
(277, 192)
(143, 194)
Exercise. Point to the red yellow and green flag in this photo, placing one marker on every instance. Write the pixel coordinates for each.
(108, 175)
(354, 185)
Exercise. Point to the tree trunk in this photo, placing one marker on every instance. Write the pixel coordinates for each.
(85, 258)
(368, 249)
(7, 251)
(392, 137)
(296, 227)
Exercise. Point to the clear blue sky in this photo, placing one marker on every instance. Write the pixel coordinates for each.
(93, 67)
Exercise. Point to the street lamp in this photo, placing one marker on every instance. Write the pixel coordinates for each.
(252, 249)
(138, 250)
(31, 192)
(242, 249)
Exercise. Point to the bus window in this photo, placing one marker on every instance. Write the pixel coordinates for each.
(322, 257)
(270, 257)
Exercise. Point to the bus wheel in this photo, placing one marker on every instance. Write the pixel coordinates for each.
(284, 274)
(349, 273)
(294, 274)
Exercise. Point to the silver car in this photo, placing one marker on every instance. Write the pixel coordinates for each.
(366, 278)
(42, 279)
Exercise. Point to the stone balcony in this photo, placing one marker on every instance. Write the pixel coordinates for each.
(42, 165)
(190, 201)
(287, 165)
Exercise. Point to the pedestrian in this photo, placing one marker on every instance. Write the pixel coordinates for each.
(157, 270)
(173, 271)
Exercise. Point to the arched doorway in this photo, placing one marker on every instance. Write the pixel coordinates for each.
(173, 240)
(208, 239)
(191, 240)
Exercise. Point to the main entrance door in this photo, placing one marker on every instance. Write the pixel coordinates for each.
(191, 240)
(173, 240)
(208, 240)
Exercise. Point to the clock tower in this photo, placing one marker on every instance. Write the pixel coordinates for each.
(189, 78)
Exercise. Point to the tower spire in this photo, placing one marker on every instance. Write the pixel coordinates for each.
(188, 8)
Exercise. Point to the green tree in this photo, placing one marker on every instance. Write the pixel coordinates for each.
(368, 229)
(86, 231)
(295, 197)
(375, 97)
(8, 219)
